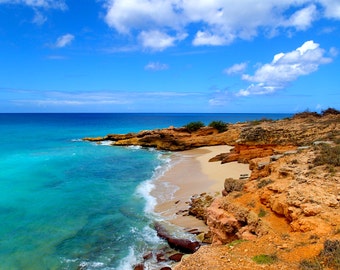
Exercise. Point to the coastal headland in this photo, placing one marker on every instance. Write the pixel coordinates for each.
(260, 195)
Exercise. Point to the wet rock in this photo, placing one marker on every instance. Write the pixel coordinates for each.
(147, 256)
(176, 257)
(161, 257)
(183, 245)
(139, 267)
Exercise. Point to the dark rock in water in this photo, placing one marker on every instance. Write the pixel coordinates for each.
(161, 257)
(183, 245)
(147, 256)
(176, 257)
(138, 267)
(166, 268)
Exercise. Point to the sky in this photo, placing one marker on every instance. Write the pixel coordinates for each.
(195, 56)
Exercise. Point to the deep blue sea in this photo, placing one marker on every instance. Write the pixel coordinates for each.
(66, 203)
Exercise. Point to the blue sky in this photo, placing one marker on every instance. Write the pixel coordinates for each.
(218, 56)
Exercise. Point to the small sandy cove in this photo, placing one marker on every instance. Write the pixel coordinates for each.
(193, 174)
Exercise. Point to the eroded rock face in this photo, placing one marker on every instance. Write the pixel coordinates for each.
(229, 221)
(304, 196)
(251, 138)
(289, 204)
(173, 139)
(244, 153)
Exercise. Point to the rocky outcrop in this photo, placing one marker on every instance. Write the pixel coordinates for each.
(292, 131)
(305, 195)
(229, 221)
(259, 136)
(173, 139)
(288, 206)
(183, 245)
(243, 153)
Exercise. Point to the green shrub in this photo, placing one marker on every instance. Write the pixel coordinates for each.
(265, 259)
(264, 182)
(306, 114)
(259, 121)
(219, 125)
(231, 185)
(194, 126)
(262, 213)
(310, 265)
(330, 255)
(329, 258)
(328, 155)
(235, 242)
(330, 111)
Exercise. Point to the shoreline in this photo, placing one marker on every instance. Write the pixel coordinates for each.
(193, 174)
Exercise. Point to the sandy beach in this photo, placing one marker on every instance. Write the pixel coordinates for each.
(193, 174)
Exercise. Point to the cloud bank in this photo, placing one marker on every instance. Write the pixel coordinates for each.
(285, 68)
(160, 24)
(55, 4)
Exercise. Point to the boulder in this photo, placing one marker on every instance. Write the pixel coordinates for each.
(183, 245)
(176, 257)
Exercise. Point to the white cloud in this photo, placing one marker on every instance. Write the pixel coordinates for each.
(214, 22)
(64, 40)
(157, 40)
(156, 66)
(39, 18)
(207, 38)
(285, 68)
(56, 4)
(236, 69)
(303, 18)
(332, 8)
(126, 15)
(95, 99)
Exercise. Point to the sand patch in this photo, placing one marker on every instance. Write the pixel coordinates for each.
(191, 174)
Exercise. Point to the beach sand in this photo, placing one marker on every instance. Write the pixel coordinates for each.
(193, 174)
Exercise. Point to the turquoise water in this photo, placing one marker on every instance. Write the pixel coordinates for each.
(66, 203)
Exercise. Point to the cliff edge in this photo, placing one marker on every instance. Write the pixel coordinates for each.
(286, 214)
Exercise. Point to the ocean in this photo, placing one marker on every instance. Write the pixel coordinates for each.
(70, 204)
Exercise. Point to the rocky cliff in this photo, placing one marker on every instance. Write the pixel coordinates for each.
(297, 131)
(286, 214)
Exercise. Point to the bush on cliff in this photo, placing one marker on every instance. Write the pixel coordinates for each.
(194, 126)
(330, 111)
(219, 125)
(329, 258)
(306, 114)
(328, 155)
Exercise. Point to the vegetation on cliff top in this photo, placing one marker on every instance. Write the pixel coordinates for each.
(219, 125)
(194, 126)
(327, 155)
(307, 113)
